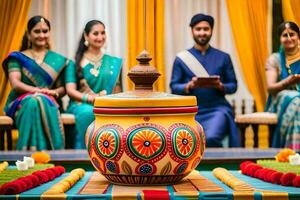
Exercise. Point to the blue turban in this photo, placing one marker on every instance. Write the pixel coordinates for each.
(201, 17)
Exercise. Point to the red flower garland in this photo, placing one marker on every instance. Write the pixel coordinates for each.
(296, 181)
(30, 181)
(276, 177)
(269, 175)
(287, 179)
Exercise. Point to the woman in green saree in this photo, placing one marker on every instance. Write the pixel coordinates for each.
(283, 80)
(35, 74)
(94, 74)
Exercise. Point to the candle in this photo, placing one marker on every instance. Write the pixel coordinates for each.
(21, 165)
(294, 159)
(29, 161)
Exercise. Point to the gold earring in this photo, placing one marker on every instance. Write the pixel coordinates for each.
(86, 43)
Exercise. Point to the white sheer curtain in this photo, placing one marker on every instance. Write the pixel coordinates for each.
(178, 37)
(68, 18)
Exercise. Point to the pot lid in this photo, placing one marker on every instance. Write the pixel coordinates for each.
(148, 99)
(143, 76)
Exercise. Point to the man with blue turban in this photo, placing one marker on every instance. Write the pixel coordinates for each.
(208, 74)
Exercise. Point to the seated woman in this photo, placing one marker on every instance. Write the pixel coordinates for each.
(94, 74)
(283, 77)
(35, 74)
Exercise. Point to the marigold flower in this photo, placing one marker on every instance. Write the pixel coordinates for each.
(41, 157)
(283, 155)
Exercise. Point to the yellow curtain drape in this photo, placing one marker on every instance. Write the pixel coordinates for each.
(290, 10)
(13, 21)
(154, 36)
(249, 26)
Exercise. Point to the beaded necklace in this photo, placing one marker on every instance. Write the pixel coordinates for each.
(96, 61)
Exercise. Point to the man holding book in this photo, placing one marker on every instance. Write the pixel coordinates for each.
(208, 74)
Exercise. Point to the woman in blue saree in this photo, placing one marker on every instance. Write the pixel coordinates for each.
(35, 74)
(94, 74)
(283, 78)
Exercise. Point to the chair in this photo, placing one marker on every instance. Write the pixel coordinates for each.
(254, 120)
(6, 124)
(67, 119)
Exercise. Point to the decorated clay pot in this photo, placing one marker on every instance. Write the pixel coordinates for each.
(145, 137)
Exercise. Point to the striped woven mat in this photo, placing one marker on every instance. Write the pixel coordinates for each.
(198, 185)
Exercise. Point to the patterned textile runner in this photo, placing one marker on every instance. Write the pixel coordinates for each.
(196, 182)
(97, 184)
(190, 186)
(242, 190)
(198, 185)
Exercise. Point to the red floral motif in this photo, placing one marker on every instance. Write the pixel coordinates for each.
(184, 142)
(146, 142)
(106, 143)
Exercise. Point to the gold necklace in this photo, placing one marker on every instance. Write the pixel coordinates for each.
(39, 59)
(96, 61)
(289, 59)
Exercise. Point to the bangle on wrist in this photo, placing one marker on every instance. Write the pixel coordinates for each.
(84, 98)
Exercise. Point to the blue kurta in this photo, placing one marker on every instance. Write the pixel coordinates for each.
(214, 112)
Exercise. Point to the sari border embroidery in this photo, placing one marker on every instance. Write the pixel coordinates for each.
(45, 123)
(29, 76)
(49, 70)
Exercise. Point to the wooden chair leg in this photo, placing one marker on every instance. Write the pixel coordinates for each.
(9, 139)
(2, 132)
(70, 132)
(255, 136)
(242, 128)
(272, 128)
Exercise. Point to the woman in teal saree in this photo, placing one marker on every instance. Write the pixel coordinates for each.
(94, 74)
(35, 74)
(283, 79)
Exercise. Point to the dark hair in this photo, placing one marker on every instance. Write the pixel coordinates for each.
(82, 48)
(292, 25)
(31, 23)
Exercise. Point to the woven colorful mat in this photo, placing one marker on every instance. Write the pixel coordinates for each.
(190, 186)
(198, 185)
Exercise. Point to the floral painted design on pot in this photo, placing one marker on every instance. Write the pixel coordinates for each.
(145, 137)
